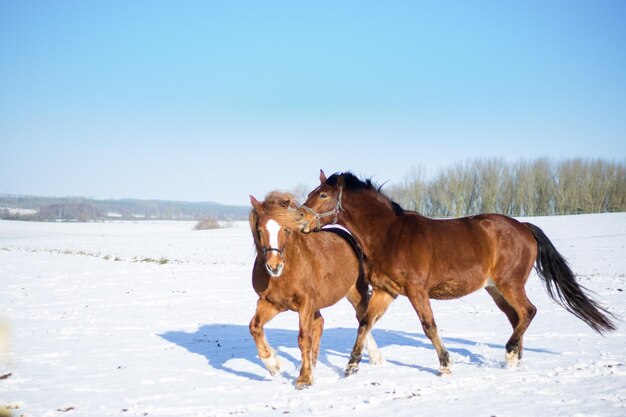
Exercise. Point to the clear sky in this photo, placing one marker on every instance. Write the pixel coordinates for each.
(216, 100)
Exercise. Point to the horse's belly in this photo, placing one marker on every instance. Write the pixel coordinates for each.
(455, 288)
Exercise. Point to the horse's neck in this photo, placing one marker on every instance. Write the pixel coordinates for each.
(368, 220)
(297, 246)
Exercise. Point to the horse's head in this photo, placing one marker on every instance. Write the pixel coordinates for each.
(271, 223)
(323, 204)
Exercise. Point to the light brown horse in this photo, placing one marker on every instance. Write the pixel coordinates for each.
(296, 272)
(424, 258)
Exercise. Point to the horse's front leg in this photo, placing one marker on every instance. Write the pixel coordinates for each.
(421, 303)
(317, 328)
(359, 298)
(265, 311)
(305, 338)
(376, 308)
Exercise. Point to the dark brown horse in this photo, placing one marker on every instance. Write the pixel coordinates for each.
(296, 272)
(424, 258)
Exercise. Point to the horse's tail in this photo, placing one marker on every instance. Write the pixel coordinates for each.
(562, 287)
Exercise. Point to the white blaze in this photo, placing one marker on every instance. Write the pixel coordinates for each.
(273, 228)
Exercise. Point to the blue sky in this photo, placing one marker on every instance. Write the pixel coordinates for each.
(216, 100)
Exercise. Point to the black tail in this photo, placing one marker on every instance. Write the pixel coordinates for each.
(563, 288)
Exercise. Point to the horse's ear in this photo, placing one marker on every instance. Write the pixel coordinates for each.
(256, 204)
(341, 181)
(322, 177)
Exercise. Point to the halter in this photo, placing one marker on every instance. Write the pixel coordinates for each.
(334, 212)
(270, 249)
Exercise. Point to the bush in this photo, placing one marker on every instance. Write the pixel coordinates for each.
(207, 224)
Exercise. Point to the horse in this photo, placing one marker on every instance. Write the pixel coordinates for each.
(424, 258)
(302, 273)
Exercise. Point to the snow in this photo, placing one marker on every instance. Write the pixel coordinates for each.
(19, 211)
(151, 319)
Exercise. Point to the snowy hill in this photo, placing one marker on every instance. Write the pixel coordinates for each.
(89, 209)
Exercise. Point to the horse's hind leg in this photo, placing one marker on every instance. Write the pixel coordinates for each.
(509, 311)
(378, 304)
(316, 335)
(525, 310)
(265, 311)
(359, 298)
(421, 303)
(503, 305)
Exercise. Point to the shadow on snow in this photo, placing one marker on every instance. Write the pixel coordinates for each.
(219, 343)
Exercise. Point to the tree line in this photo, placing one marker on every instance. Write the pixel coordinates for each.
(523, 188)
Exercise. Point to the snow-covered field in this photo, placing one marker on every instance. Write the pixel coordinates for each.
(151, 319)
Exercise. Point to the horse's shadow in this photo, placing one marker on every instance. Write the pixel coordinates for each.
(219, 343)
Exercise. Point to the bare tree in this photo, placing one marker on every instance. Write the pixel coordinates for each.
(523, 188)
(300, 191)
(543, 186)
(490, 174)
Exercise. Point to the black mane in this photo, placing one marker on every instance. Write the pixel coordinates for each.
(353, 183)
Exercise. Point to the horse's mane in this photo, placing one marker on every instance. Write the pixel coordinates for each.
(279, 206)
(351, 182)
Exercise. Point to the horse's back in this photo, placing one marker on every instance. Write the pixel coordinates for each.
(485, 233)
(458, 256)
(331, 254)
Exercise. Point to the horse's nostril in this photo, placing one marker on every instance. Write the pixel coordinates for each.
(274, 270)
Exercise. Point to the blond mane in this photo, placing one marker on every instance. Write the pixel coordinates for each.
(279, 206)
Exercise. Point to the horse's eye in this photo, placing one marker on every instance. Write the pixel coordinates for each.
(323, 195)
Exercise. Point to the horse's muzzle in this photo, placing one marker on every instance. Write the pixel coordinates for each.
(304, 224)
(275, 271)
(304, 227)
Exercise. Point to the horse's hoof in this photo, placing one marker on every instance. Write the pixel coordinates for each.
(512, 359)
(376, 359)
(272, 363)
(351, 370)
(300, 385)
(444, 371)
